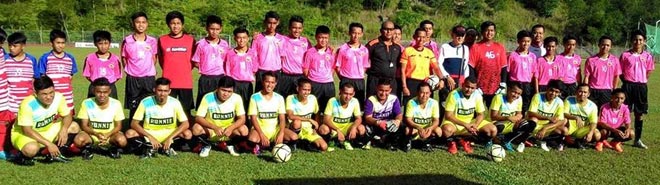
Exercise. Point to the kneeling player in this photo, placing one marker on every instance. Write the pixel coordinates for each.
(158, 123)
(506, 111)
(101, 118)
(342, 118)
(615, 121)
(37, 125)
(301, 110)
(582, 116)
(422, 118)
(547, 111)
(267, 113)
(220, 118)
(382, 115)
(461, 106)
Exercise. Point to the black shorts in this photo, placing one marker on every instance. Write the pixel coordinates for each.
(113, 94)
(138, 88)
(245, 90)
(185, 97)
(323, 93)
(206, 84)
(569, 90)
(287, 83)
(258, 86)
(372, 84)
(636, 97)
(600, 96)
(359, 89)
(412, 86)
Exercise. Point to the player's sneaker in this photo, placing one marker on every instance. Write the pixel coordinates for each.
(520, 148)
(544, 146)
(367, 146)
(617, 146)
(24, 161)
(347, 145)
(59, 158)
(390, 147)
(87, 154)
(170, 153)
(3, 156)
(232, 150)
(205, 151)
(427, 148)
(640, 144)
(581, 145)
(508, 146)
(451, 147)
(529, 144)
(569, 140)
(115, 153)
(330, 149)
(560, 147)
(148, 153)
(607, 144)
(489, 144)
(256, 150)
(408, 146)
(466, 146)
(599, 146)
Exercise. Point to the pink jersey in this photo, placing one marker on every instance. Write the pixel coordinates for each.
(602, 72)
(269, 51)
(139, 56)
(635, 67)
(211, 57)
(522, 67)
(546, 71)
(615, 117)
(352, 62)
(241, 66)
(20, 75)
(60, 70)
(294, 52)
(320, 65)
(96, 67)
(571, 66)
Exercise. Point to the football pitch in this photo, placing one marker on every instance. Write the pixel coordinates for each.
(375, 166)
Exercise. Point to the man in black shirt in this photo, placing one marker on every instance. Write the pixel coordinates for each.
(384, 56)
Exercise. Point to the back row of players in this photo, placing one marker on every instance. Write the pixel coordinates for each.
(383, 59)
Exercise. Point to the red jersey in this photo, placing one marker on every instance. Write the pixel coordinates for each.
(175, 59)
(488, 59)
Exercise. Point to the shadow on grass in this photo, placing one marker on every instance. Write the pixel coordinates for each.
(479, 157)
(267, 158)
(396, 179)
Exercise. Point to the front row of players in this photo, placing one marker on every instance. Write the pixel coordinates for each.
(45, 126)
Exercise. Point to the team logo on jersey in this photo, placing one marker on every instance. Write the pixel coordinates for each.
(111, 66)
(381, 115)
(45, 122)
(490, 54)
(177, 49)
(422, 121)
(604, 68)
(147, 48)
(222, 116)
(507, 114)
(546, 114)
(248, 59)
(327, 57)
(303, 45)
(220, 50)
(268, 115)
(100, 125)
(161, 121)
(341, 120)
(308, 116)
(465, 111)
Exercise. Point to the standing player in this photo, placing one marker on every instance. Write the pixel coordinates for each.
(615, 122)
(384, 56)
(601, 72)
(37, 125)
(582, 116)
(100, 119)
(220, 118)
(102, 63)
(295, 46)
(21, 69)
(209, 57)
(59, 66)
(241, 65)
(522, 67)
(427, 26)
(383, 115)
(6, 116)
(159, 123)
(488, 62)
(537, 46)
(396, 37)
(268, 46)
(302, 113)
(138, 56)
(636, 66)
(506, 112)
(547, 111)
(267, 113)
(548, 67)
(572, 65)
(352, 60)
(343, 119)
(175, 53)
(318, 65)
(422, 118)
(471, 35)
(416, 64)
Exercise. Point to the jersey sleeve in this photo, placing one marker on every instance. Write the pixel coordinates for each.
(281, 109)
(289, 102)
(496, 103)
(238, 106)
(139, 112)
(87, 69)
(450, 104)
(650, 65)
(82, 113)
(74, 64)
(41, 65)
(626, 116)
(356, 108)
(396, 109)
(329, 107)
(119, 112)
(473, 57)
(536, 101)
(559, 113)
(202, 108)
(368, 107)
(252, 108)
(435, 110)
(410, 109)
(197, 55)
(307, 61)
(24, 117)
(180, 114)
(404, 56)
(62, 108)
(617, 65)
(567, 106)
(593, 115)
(365, 59)
(480, 107)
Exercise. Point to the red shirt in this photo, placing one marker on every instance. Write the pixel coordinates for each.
(488, 59)
(175, 59)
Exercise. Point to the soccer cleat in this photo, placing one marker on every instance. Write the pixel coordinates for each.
(617, 146)
(170, 153)
(3, 156)
(408, 146)
(115, 153)
(466, 146)
(489, 144)
(607, 144)
(560, 147)
(641, 145)
(451, 147)
(256, 150)
(391, 147)
(544, 146)
(529, 144)
(330, 149)
(520, 148)
(222, 146)
(367, 146)
(87, 154)
(508, 146)
(599, 146)
(347, 145)
(581, 145)
(24, 161)
(205, 151)
(232, 150)
(569, 140)
(427, 148)
(148, 153)
(59, 158)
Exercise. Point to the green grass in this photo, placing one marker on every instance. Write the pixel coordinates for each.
(634, 166)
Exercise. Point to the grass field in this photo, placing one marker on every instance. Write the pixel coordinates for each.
(634, 166)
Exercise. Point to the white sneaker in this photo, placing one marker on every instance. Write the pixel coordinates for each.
(232, 151)
(206, 150)
(560, 147)
(520, 148)
(544, 146)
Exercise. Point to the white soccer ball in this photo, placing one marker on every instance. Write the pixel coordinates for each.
(281, 153)
(496, 153)
(433, 80)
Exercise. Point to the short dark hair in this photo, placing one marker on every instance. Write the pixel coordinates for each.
(382, 25)
(471, 79)
(523, 33)
(423, 84)
(56, 33)
(241, 30)
(418, 30)
(617, 91)
(174, 15)
(17, 38)
(603, 38)
(269, 73)
(3, 35)
(42, 83)
(322, 30)
(226, 82)
(471, 31)
(271, 14)
(302, 81)
(355, 25)
(138, 15)
(384, 81)
(484, 25)
(100, 82)
(163, 81)
(346, 85)
(635, 33)
(548, 40)
(296, 18)
(424, 22)
(582, 85)
(538, 26)
(398, 27)
(512, 85)
(213, 19)
(556, 84)
(101, 35)
(569, 38)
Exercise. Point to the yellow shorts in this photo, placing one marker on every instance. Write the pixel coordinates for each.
(307, 132)
(417, 134)
(271, 132)
(540, 124)
(95, 140)
(576, 132)
(161, 134)
(460, 130)
(343, 128)
(213, 137)
(19, 140)
(508, 126)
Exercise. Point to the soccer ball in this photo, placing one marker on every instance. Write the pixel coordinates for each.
(433, 81)
(496, 153)
(281, 153)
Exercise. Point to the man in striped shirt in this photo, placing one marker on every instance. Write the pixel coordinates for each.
(59, 66)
